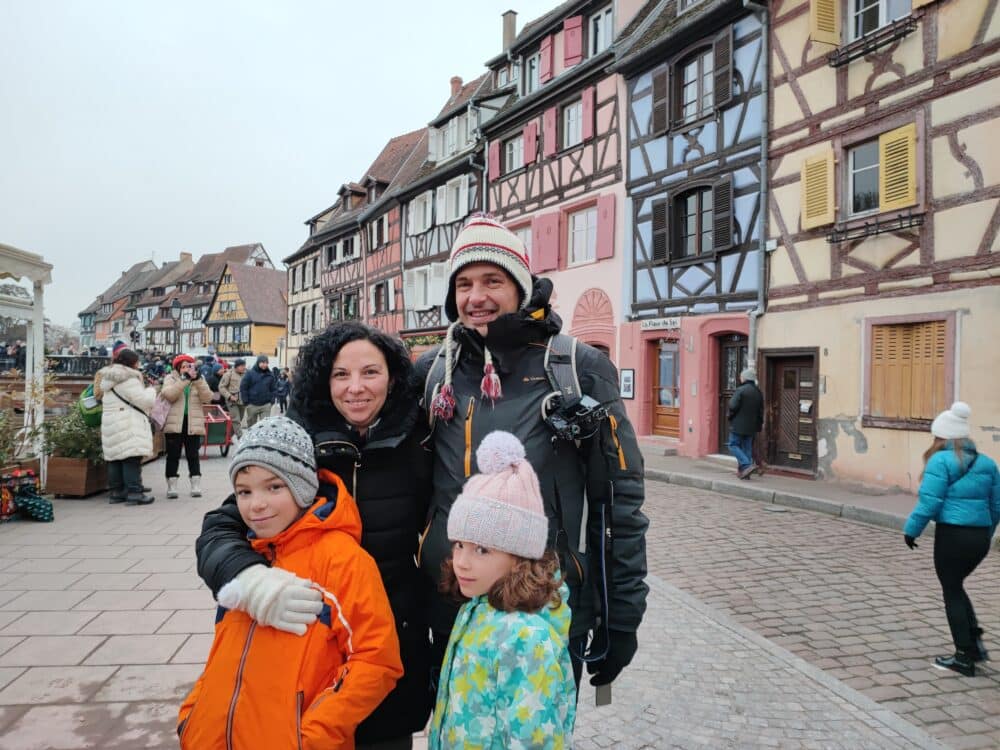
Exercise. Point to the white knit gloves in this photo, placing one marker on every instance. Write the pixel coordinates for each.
(274, 597)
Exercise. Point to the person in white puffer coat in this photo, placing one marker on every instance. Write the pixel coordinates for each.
(126, 435)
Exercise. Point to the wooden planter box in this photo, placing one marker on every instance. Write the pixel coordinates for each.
(75, 477)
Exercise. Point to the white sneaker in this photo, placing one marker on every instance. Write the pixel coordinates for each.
(195, 486)
(171, 487)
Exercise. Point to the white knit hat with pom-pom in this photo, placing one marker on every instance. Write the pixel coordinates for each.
(501, 508)
(952, 424)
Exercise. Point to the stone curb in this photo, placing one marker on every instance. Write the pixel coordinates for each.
(912, 734)
(757, 493)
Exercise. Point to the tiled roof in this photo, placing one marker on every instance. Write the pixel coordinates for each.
(387, 164)
(465, 94)
(123, 282)
(263, 293)
(542, 21)
(159, 323)
(209, 265)
(664, 22)
(92, 307)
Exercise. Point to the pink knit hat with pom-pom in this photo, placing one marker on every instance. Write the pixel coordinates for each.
(501, 508)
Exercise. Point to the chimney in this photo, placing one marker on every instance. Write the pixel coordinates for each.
(184, 257)
(509, 28)
(456, 85)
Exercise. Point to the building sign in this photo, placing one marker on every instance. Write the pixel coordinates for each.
(659, 324)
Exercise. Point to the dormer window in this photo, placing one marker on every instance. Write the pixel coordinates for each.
(532, 68)
(503, 76)
(601, 31)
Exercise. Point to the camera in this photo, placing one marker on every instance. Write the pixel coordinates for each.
(576, 420)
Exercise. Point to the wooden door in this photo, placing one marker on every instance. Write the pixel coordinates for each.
(732, 361)
(791, 410)
(666, 391)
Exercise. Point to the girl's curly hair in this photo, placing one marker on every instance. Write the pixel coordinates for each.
(311, 383)
(529, 586)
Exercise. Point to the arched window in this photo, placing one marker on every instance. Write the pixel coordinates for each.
(693, 222)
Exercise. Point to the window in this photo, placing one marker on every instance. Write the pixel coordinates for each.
(425, 287)
(315, 271)
(379, 232)
(334, 309)
(420, 217)
(685, 4)
(583, 236)
(572, 124)
(351, 306)
(513, 154)
(870, 15)
(453, 199)
(524, 234)
(314, 316)
(347, 248)
(694, 87)
(306, 279)
(862, 178)
(601, 31)
(227, 278)
(503, 77)
(451, 142)
(531, 71)
(908, 369)
(693, 219)
(331, 254)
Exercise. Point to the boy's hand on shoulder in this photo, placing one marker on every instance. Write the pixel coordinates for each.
(274, 597)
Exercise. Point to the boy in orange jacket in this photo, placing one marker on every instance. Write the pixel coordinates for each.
(264, 687)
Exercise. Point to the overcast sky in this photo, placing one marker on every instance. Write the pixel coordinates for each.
(131, 130)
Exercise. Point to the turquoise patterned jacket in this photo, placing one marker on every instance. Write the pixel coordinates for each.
(506, 681)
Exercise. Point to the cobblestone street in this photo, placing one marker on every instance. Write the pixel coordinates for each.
(104, 625)
(848, 598)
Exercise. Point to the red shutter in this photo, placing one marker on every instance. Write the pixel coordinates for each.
(530, 134)
(494, 159)
(605, 227)
(587, 112)
(573, 40)
(545, 68)
(545, 243)
(549, 139)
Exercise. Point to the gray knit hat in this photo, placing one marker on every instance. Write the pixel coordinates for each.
(501, 508)
(280, 445)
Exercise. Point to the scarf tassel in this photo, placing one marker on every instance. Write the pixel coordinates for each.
(443, 405)
(490, 387)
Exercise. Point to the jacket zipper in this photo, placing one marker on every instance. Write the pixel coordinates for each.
(298, 717)
(236, 691)
(468, 437)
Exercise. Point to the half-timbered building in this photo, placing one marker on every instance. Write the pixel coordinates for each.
(554, 158)
(884, 284)
(695, 116)
(438, 188)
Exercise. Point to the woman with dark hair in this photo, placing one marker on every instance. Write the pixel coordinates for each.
(960, 492)
(354, 396)
(125, 432)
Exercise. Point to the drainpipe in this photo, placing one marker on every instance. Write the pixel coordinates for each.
(755, 314)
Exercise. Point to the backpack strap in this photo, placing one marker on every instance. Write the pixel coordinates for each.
(560, 368)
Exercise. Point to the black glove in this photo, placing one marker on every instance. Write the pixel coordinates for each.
(910, 541)
(623, 648)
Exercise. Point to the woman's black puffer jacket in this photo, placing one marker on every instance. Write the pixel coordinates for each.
(389, 475)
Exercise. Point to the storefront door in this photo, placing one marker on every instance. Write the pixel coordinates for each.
(791, 412)
(666, 393)
(732, 361)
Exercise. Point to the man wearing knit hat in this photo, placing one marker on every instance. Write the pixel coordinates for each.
(746, 419)
(495, 376)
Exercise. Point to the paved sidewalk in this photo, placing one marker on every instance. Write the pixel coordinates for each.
(880, 507)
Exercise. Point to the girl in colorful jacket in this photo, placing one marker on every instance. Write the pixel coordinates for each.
(507, 680)
(960, 492)
(268, 688)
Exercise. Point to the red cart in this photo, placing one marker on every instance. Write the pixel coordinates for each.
(218, 429)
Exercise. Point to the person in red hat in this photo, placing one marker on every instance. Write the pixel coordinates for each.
(187, 392)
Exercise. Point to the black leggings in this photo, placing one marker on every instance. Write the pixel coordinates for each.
(191, 445)
(958, 550)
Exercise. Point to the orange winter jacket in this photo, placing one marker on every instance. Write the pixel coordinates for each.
(265, 688)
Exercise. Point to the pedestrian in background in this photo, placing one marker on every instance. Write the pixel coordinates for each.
(281, 390)
(257, 391)
(187, 392)
(960, 492)
(126, 436)
(507, 679)
(229, 389)
(746, 419)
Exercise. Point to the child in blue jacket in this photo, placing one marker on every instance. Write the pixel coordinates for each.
(507, 679)
(960, 492)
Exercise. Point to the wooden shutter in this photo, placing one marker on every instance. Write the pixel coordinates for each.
(573, 40)
(409, 291)
(605, 227)
(722, 214)
(824, 21)
(390, 295)
(927, 364)
(545, 243)
(432, 144)
(463, 197)
(371, 300)
(660, 102)
(440, 205)
(545, 66)
(587, 97)
(723, 67)
(817, 191)
(661, 244)
(494, 159)
(550, 131)
(438, 284)
(530, 135)
(897, 168)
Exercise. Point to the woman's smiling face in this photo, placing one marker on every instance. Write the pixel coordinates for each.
(359, 382)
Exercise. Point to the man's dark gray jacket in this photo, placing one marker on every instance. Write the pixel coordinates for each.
(573, 480)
